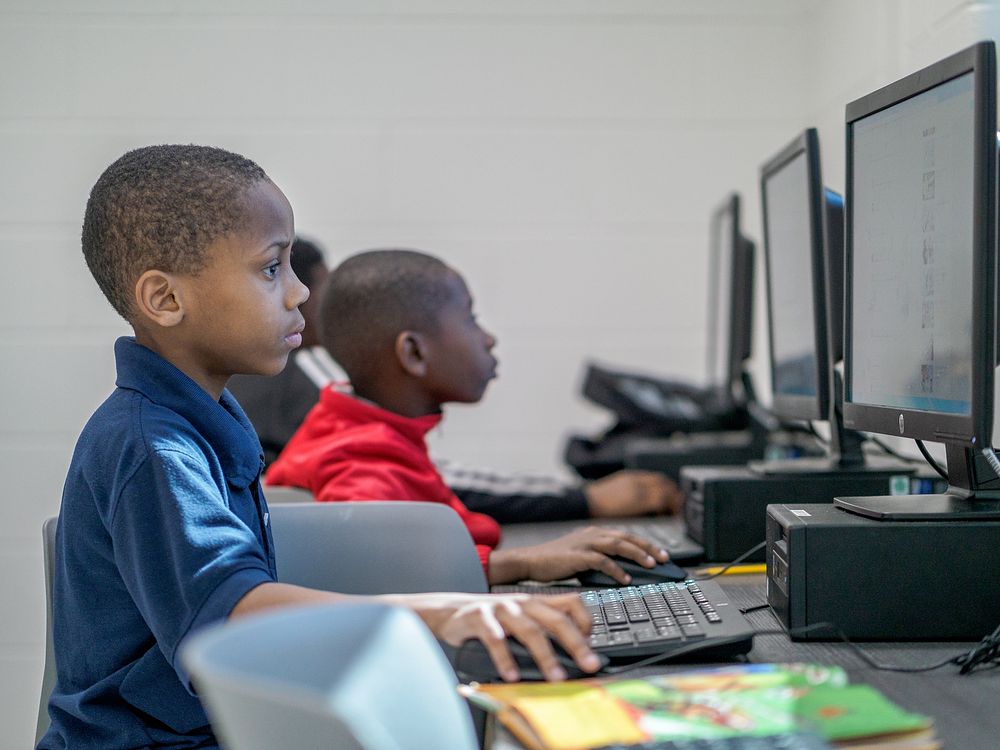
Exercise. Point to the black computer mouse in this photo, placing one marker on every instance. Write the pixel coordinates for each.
(472, 663)
(659, 573)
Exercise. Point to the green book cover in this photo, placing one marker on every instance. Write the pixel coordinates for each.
(854, 711)
(837, 712)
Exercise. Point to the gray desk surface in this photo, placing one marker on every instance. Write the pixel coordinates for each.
(965, 709)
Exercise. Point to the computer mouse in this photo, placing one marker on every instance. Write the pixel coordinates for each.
(472, 663)
(659, 573)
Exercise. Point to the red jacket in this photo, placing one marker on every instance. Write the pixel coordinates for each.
(348, 449)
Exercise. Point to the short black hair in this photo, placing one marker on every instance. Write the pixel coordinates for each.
(161, 207)
(306, 255)
(372, 297)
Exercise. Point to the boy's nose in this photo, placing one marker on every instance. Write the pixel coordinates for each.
(298, 294)
(491, 340)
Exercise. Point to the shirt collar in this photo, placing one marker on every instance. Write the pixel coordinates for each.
(348, 405)
(222, 423)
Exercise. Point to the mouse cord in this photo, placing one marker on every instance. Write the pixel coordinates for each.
(690, 648)
(987, 651)
(727, 566)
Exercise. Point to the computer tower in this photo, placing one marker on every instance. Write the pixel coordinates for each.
(881, 580)
(725, 506)
(669, 455)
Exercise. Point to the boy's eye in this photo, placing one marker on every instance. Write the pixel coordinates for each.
(272, 270)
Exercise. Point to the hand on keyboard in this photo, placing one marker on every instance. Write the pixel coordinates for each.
(473, 663)
(585, 549)
(537, 622)
(632, 493)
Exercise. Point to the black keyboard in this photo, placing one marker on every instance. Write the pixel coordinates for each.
(632, 622)
(793, 741)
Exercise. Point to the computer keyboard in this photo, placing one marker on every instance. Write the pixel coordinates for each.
(632, 622)
(792, 741)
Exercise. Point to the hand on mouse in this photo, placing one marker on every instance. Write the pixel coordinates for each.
(492, 618)
(632, 493)
(585, 549)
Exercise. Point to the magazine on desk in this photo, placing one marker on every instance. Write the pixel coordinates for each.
(744, 699)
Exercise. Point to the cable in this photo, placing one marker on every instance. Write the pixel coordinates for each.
(811, 429)
(747, 610)
(992, 460)
(783, 425)
(691, 648)
(893, 452)
(930, 459)
(728, 565)
(986, 652)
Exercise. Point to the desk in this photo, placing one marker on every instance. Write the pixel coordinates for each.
(965, 709)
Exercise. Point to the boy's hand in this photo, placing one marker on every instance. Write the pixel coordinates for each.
(453, 618)
(532, 620)
(585, 549)
(632, 493)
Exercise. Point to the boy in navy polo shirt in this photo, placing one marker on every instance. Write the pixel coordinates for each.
(163, 526)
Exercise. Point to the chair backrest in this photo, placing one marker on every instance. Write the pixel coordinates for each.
(49, 671)
(375, 547)
(354, 676)
(276, 495)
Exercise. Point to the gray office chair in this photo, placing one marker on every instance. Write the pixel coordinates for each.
(375, 547)
(276, 495)
(49, 671)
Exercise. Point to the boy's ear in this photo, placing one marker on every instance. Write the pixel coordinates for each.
(411, 353)
(157, 298)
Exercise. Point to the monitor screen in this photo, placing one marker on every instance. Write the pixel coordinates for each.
(789, 249)
(911, 344)
(730, 304)
(720, 298)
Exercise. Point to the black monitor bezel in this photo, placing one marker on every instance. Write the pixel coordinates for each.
(784, 405)
(974, 429)
(738, 329)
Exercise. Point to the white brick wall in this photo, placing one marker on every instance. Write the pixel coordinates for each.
(563, 155)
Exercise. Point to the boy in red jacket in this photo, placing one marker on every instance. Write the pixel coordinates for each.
(401, 324)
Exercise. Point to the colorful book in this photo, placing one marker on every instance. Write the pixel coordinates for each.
(746, 699)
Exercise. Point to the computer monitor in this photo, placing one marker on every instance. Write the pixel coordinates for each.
(920, 276)
(804, 253)
(730, 303)
(792, 200)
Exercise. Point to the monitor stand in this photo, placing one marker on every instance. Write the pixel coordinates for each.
(973, 495)
(846, 457)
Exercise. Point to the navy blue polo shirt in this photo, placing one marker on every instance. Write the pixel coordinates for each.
(162, 530)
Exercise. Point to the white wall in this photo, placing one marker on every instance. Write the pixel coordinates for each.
(563, 155)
